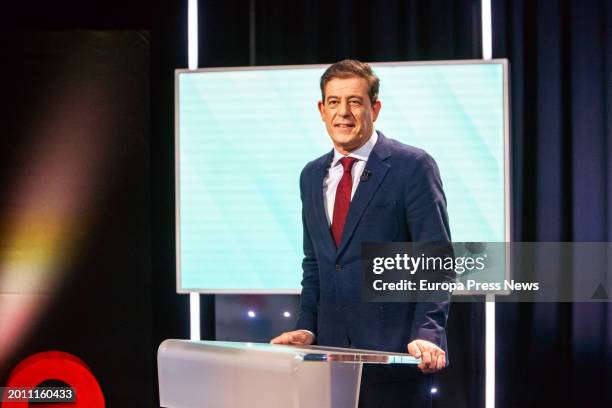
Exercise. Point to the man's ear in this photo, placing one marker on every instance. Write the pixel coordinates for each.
(376, 109)
(321, 107)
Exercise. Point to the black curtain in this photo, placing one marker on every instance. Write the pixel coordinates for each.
(317, 32)
(561, 75)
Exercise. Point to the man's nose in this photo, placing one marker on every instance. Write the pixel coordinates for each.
(344, 110)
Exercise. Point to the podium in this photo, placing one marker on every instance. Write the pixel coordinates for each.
(215, 374)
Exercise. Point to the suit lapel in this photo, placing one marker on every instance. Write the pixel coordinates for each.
(365, 191)
(319, 204)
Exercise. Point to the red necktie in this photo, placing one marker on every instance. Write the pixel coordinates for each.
(343, 199)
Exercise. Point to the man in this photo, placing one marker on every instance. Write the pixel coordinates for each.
(369, 188)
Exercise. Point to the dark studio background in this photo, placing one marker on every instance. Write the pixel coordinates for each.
(108, 69)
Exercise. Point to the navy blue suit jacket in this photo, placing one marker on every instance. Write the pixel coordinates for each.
(402, 200)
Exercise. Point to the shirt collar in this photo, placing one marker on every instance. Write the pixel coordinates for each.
(360, 154)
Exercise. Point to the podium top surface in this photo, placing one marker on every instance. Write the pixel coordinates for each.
(305, 353)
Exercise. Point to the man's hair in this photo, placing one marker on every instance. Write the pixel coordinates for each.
(352, 68)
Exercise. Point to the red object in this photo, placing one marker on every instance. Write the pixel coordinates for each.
(57, 365)
(343, 199)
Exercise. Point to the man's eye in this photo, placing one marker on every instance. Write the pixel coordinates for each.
(355, 102)
(332, 102)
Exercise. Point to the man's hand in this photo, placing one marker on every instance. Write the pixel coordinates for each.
(297, 337)
(433, 358)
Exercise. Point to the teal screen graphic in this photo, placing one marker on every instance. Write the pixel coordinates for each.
(244, 135)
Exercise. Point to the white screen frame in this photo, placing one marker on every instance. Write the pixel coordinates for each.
(506, 143)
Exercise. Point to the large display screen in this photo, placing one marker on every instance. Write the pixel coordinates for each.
(243, 136)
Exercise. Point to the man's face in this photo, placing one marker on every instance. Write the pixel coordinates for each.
(348, 113)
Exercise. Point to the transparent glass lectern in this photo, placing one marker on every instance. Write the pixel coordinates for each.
(220, 374)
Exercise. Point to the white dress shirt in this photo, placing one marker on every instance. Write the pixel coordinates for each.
(334, 174)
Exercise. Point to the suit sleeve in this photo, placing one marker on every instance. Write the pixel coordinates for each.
(428, 224)
(309, 298)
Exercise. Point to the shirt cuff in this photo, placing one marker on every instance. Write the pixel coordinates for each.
(308, 331)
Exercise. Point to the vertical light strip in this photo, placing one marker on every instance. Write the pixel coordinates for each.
(487, 54)
(490, 352)
(192, 57)
(487, 29)
(194, 316)
(192, 34)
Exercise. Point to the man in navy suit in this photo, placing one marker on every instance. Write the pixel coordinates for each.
(368, 188)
